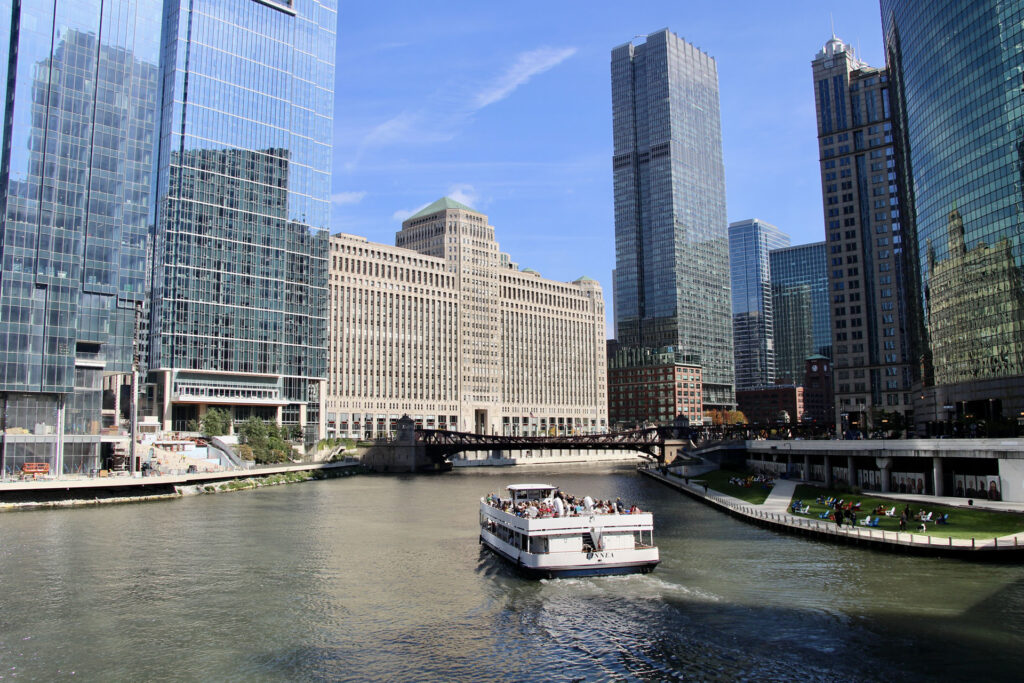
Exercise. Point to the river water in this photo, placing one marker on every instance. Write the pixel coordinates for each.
(382, 578)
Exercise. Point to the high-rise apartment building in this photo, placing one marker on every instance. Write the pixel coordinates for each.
(753, 329)
(800, 308)
(447, 329)
(243, 178)
(671, 234)
(81, 114)
(205, 125)
(958, 120)
(872, 364)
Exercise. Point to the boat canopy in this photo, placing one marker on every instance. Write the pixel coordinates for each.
(531, 491)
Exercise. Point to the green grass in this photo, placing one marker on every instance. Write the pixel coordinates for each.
(963, 522)
(719, 481)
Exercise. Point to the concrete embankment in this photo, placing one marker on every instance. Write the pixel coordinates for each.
(20, 495)
(773, 514)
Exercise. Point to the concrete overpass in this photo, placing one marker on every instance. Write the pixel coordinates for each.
(941, 467)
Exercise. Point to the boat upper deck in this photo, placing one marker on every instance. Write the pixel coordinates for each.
(543, 507)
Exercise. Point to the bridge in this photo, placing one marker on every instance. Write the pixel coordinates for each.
(439, 445)
(432, 449)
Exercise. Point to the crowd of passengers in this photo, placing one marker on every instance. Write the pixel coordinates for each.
(561, 505)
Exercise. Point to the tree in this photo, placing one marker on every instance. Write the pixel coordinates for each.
(735, 417)
(216, 422)
(265, 439)
(193, 426)
(253, 433)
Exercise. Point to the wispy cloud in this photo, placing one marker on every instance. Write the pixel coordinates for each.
(402, 214)
(528, 65)
(440, 118)
(347, 197)
(464, 193)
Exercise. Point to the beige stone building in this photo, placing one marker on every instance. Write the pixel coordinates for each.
(447, 329)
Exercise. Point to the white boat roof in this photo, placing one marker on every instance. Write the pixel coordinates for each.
(531, 487)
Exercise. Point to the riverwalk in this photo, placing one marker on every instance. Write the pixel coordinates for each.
(775, 513)
(121, 488)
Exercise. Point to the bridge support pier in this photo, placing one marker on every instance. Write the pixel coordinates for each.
(851, 471)
(828, 472)
(807, 468)
(937, 477)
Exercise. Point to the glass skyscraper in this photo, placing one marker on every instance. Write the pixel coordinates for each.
(165, 151)
(958, 120)
(671, 235)
(800, 308)
(240, 261)
(79, 139)
(753, 327)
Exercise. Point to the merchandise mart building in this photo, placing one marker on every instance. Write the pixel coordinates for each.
(671, 234)
(447, 329)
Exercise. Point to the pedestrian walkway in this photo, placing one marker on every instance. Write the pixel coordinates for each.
(775, 513)
(780, 497)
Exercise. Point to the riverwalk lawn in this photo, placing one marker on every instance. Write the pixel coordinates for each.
(718, 480)
(963, 522)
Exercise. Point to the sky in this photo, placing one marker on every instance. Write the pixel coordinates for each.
(506, 107)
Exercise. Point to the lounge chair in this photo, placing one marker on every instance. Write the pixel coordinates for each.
(866, 521)
(944, 519)
(805, 510)
(875, 521)
(891, 512)
(825, 515)
(926, 518)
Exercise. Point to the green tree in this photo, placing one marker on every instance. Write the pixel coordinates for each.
(253, 433)
(193, 426)
(216, 422)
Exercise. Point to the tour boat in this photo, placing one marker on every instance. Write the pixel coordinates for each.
(538, 531)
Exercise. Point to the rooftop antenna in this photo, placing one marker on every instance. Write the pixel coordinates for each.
(832, 22)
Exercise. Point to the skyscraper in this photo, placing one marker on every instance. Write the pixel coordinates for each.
(240, 262)
(800, 308)
(80, 133)
(958, 120)
(671, 235)
(872, 363)
(753, 328)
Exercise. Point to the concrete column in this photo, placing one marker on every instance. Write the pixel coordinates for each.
(885, 466)
(807, 468)
(828, 472)
(851, 473)
(937, 476)
(165, 412)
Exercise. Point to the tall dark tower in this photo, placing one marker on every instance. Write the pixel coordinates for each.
(671, 234)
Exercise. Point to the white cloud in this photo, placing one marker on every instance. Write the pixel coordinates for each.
(347, 197)
(464, 193)
(402, 214)
(528, 65)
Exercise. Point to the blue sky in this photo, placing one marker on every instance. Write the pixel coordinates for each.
(506, 106)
